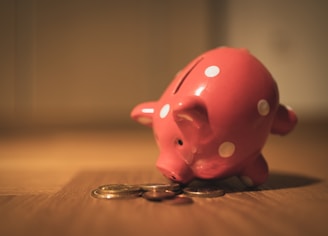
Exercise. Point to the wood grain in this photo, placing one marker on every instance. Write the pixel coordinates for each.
(294, 201)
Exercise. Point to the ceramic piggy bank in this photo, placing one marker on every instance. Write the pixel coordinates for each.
(214, 118)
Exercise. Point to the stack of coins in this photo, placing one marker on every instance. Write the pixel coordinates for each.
(160, 192)
(116, 191)
(171, 193)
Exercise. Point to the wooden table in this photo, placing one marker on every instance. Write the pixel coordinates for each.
(46, 179)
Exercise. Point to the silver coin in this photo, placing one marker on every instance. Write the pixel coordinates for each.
(161, 187)
(203, 191)
(158, 195)
(97, 193)
(119, 188)
(179, 200)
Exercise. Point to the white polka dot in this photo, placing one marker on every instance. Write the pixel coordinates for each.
(164, 111)
(263, 107)
(148, 110)
(226, 149)
(212, 71)
(247, 181)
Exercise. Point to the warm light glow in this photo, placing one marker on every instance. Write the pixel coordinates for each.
(199, 90)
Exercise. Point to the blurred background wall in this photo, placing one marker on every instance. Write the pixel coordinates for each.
(88, 62)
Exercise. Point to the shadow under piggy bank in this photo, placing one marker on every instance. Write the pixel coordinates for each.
(276, 180)
(281, 180)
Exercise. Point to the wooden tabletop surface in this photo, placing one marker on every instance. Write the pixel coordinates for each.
(46, 179)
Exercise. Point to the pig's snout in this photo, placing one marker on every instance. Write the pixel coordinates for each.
(175, 169)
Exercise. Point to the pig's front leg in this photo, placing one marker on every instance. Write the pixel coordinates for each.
(255, 173)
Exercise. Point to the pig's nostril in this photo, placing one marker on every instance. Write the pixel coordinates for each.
(175, 171)
(180, 142)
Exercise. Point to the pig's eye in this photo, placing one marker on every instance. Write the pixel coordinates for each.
(179, 142)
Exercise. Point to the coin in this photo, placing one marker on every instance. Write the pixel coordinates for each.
(119, 188)
(204, 191)
(179, 200)
(161, 187)
(158, 195)
(98, 193)
(115, 191)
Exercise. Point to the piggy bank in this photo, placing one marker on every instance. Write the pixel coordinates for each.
(214, 118)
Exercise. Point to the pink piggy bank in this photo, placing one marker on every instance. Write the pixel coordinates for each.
(214, 118)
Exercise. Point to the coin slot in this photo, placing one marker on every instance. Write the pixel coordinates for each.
(186, 75)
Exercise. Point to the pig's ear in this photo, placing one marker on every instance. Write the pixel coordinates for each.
(192, 118)
(143, 113)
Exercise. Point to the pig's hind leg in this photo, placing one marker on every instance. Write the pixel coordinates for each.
(255, 173)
